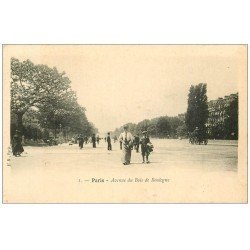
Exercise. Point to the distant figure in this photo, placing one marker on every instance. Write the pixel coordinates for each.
(127, 140)
(94, 141)
(115, 138)
(97, 139)
(136, 143)
(72, 141)
(17, 147)
(196, 136)
(146, 147)
(80, 141)
(105, 139)
(86, 139)
(196, 131)
(109, 142)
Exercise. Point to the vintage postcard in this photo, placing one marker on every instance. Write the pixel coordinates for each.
(124, 124)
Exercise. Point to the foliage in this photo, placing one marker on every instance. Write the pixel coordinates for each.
(42, 100)
(181, 130)
(160, 127)
(197, 111)
(231, 122)
(32, 85)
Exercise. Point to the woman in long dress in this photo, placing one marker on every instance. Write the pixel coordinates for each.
(17, 147)
(127, 141)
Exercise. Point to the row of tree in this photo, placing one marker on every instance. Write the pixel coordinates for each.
(160, 127)
(196, 117)
(42, 102)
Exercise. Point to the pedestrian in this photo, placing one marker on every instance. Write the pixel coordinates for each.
(197, 135)
(109, 142)
(71, 142)
(127, 142)
(97, 139)
(93, 141)
(17, 147)
(136, 143)
(80, 141)
(146, 146)
(86, 139)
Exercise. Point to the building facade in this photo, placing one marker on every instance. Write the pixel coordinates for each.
(218, 114)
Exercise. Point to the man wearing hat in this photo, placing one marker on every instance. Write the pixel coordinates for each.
(109, 141)
(145, 150)
(136, 142)
(93, 141)
(80, 140)
(127, 141)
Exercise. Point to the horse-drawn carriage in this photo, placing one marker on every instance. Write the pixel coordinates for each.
(197, 137)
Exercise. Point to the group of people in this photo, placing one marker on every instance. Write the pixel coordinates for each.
(81, 139)
(126, 139)
(128, 142)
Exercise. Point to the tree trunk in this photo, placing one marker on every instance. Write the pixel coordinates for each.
(20, 122)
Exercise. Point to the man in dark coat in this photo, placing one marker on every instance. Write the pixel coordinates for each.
(94, 141)
(86, 139)
(136, 143)
(145, 146)
(80, 140)
(97, 139)
(17, 147)
(109, 142)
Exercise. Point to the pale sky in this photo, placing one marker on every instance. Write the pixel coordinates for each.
(120, 84)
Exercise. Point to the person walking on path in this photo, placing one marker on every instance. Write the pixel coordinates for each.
(127, 142)
(80, 141)
(17, 147)
(93, 141)
(146, 146)
(136, 143)
(86, 139)
(109, 142)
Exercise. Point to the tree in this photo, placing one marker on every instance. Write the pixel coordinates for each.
(197, 111)
(33, 85)
(231, 121)
(64, 113)
(163, 127)
(143, 125)
(174, 122)
(181, 131)
(42, 101)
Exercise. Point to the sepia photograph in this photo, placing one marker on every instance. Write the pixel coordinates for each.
(125, 123)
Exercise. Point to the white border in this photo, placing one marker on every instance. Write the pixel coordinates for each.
(124, 226)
